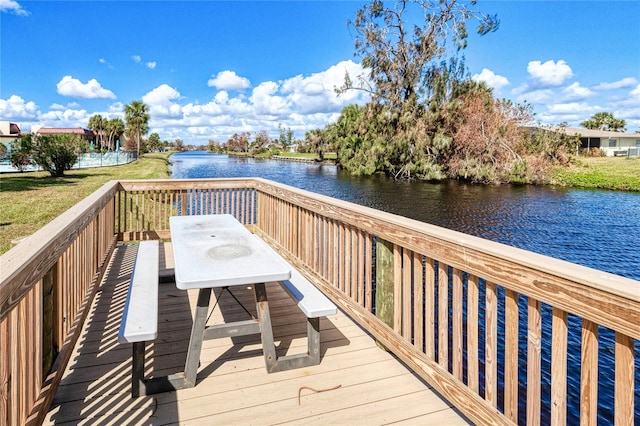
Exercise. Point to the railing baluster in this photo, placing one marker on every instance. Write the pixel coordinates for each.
(473, 320)
(418, 308)
(624, 380)
(559, 367)
(397, 289)
(589, 375)
(511, 356)
(406, 294)
(430, 309)
(491, 345)
(534, 356)
(456, 347)
(443, 315)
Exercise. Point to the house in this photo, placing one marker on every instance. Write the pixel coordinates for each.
(611, 143)
(86, 134)
(9, 132)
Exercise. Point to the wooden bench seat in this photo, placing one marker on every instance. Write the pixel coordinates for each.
(140, 317)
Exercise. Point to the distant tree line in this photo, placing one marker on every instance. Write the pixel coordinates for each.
(260, 144)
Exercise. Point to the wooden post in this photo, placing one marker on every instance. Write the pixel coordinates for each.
(384, 283)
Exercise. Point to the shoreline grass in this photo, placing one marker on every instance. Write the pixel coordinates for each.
(613, 173)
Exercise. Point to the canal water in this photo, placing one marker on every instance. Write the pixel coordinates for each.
(595, 228)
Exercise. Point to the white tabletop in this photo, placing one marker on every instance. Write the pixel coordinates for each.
(218, 251)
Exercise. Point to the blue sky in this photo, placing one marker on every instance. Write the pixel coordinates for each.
(208, 69)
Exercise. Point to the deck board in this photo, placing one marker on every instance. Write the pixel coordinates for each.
(233, 386)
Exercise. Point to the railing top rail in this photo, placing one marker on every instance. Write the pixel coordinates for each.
(172, 184)
(35, 255)
(400, 230)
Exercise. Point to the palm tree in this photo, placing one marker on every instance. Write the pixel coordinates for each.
(114, 128)
(97, 123)
(137, 119)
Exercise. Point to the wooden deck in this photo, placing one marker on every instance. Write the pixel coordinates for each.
(363, 384)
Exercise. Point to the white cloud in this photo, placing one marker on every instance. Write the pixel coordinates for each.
(17, 109)
(70, 105)
(543, 96)
(229, 80)
(65, 118)
(12, 6)
(301, 103)
(550, 73)
(299, 94)
(571, 108)
(576, 92)
(105, 62)
(492, 79)
(571, 112)
(316, 93)
(116, 109)
(160, 102)
(70, 86)
(620, 84)
(265, 100)
(151, 65)
(136, 58)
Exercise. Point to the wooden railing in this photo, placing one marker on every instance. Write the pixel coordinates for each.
(472, 317)
(46, 285)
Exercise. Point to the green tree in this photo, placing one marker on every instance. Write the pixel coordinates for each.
(98, 124)
(317, 141)
(114, 128)
(414, 71)
(239, 142)
(400, 57)
(55, 153)
(214, 146)
(137, 118)
(21, 150)
(153, 143)
(260, 142)
(604, 121)
(286, 137)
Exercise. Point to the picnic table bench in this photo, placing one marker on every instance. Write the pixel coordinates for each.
(140, 321)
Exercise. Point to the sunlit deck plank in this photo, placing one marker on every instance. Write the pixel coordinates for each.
(233, 385)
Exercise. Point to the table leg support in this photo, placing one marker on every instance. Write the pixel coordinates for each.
(272, 361)
(197, 335)
(266, 331)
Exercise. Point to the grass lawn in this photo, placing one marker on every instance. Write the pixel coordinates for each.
(30, 200)
(618, 173)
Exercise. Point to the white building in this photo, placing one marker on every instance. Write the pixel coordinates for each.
(611, 143)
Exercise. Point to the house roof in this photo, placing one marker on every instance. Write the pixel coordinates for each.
(65, 131)
(589, 133)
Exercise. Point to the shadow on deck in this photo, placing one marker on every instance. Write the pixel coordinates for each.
(362, 383)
